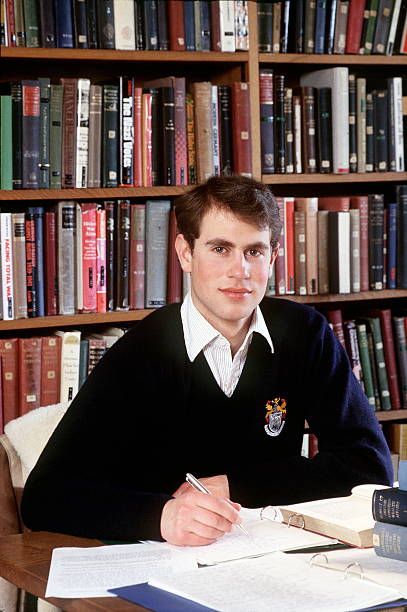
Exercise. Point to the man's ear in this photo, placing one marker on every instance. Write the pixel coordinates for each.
(184, 252)
(273, 257)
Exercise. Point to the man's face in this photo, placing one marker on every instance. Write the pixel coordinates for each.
(229, 267)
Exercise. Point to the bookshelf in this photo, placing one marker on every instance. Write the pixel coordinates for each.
(219, 67)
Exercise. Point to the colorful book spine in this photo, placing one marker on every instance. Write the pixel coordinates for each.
(7, 290)
(89, 257)
(100, 259)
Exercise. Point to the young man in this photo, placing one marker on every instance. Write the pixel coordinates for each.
(219, 387)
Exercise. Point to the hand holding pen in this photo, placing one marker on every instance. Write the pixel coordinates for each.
(196, 484)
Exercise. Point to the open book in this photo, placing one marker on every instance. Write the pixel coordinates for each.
(348, 519)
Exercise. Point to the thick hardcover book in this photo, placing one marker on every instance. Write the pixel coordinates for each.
(309, 27)
(31, 264)
(370, 133)
(50, 370)
(122, 235)
(124, 26)
(137, 256)
(70, 351)
(389, 355)
(203, 130)
(267, 121)
(241, 135)
(162, 23)
(395, 125)
(89, 256)
(29, 353)
(9, 361)
(280, 263)
(369, 26)
(375, 367)
(352, 348)
(95, 135)
(300, 270)
(227, 26)
(100, 259)
(139, 24)
(69, 132)
(205, 23)
(398, 439)
(110, 139)
(80, 24)
(174, 275)
(361, 123)
(324, 129)
(110, 254)
(191, 146)
(309, 139)
(337, 79)
(9, 24)
(382, 26)
(391, 260)
(289, 244)
(82, 133)
(215, 130)
(19, 266)
(309, 206)
(6, 249)
(354, 250)
(6, 143)
(47, 23)
(279, 125)
(390, 541)
(320, 25)
(339, 251)
(265, 27)
(157, 225)
(296, 28)
(168, 135)
(242, 25)
(44, 159)
(353, 147)
(336, 321)
(297, 121)
(50, 263)
(38, 214)
(289, 130)
(355, 25)
(402, 237)
(91, 6)
(376, 231)
(83, 361)
(106, 34)
(55, 138)
(96, 350)
(150, 18)
(323, 252)
(63, 23)
(381, 369)
(146, 152)
(126, 126)
(176, 29)
(341, 26)
(78, 260)
(138, 136)
(380, 122)
(330, 28)
(31, 134)
(66, 257)
(390, 506)
(390, 44)
(225, 129)
(19, 23)
(401, 352)
(31, 23)
(197, 26)
(16, 133)
(367, 376)
(189, 18)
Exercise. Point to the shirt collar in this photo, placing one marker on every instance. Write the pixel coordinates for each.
(198, 332)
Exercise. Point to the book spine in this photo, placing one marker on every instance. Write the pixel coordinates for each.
(96, 350)
(300, 273)
(390, 357)
(376, 225)
(38, 212)
(16, 134)
(320, 25)
(168, 135)
(225, 131)
(297, 118)
(83, 361)
(241, 135)
(279, 125)
(50, 264)
(370, 135)
(157, 225)
(368, 33)
(137, 136)
(355, 250)
(191, 147)
(203, 130)
(391, 263)
(80, 20)
(289, 129)
(352, 348)
(324, 129)
(242, 26)
(91, 6)
(6, 248)
(401, 352)
(89, 257)
(154, 138)
(176, 25)
(151, 25)
(124, 25)
(227, 25)
(380, 363)
(181, 156)
(380, 114)
(44, 152)
(353, 156)
(19, 23)
(390, 506)
(355, 25)
(323, 252)
(365, 363)
(162, 24)
(19, 266)
(361, 123)
(31, 23)
(137, 256)
(280, 264)
(401, 237)
(110, 141)
(50, 370)
(126, 90)
(64, 23)
(100, 259)
(110, 254)
(95, 135)
(215, 131)
(382, 26)
(393, 27)
(330, 38)
(146, 139)
(10, 23)
(267, 121)
(289, 245)
(174, 274)
(82, 133)
(309, 206)
(308, 123)
(9, 361)
(6, 143)
(66, 258)
(29, 374)
(189, 17)
(390, 541)
(31, 265)
(264, 27)
(70, 351)
(339, 251)
(341, 26)
(31, 134)
(106, 34)
(69, 132)
(55, 139)
(122, 254)
(309, 26)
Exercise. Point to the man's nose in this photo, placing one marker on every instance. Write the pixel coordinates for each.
(240, 267)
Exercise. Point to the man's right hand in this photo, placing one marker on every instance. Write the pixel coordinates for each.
(197, 519)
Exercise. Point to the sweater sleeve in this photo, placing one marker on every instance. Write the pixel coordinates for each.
(352, 447)
(90, 479)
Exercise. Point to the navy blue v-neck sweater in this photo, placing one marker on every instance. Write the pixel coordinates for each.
(147, 415)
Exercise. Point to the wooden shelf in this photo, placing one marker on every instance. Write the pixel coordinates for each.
(77, 320)
(91, 194)
(333, 60)
(354, 177)
(111, 55)
(391, 415)
(385, 294)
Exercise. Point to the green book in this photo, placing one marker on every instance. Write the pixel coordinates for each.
(55, 140)
(6, 144)
(45, 91)
(31, 22)
(365, 363)
(374, 323)
(371, 27)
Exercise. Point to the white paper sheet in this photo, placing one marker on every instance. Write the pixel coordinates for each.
(89, 572)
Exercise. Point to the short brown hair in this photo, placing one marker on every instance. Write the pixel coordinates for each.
(249, 200)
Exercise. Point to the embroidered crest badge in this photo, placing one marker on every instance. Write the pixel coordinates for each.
(275, 416)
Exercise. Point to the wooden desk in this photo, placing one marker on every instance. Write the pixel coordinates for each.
(25, 560)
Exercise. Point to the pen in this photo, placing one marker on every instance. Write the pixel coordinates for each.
(194, 482)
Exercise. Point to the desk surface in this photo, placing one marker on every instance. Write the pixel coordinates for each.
(25, 560)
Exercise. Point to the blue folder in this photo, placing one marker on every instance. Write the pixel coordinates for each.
(158, 600)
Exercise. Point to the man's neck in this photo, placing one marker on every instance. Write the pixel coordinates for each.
(235, 334)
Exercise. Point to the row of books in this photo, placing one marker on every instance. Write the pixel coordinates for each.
(88, 258)
(333, 122)
(332, 26)
(376, 346)
(155, 25)
(78, 134)
(389, 507)
(341, 244)
(46, 370)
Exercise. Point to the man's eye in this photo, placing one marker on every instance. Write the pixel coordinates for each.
(220, 249)
(254, 252)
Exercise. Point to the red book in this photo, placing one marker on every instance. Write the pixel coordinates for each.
(174, 274)
(50, 263)
(50, 370)
(312, 445)
(289, 245)
(389, 354)
(176, 30)
(11, 24)
(138, 160)
(1, 400)
(241, 135)
(355, 26)
(334, 203)
(362, 204)
(31, 264)
(137, 256)
(29, 374)
(9, 361)
(335, 319)
(101, 259)
(215, 26)
(89, 256)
